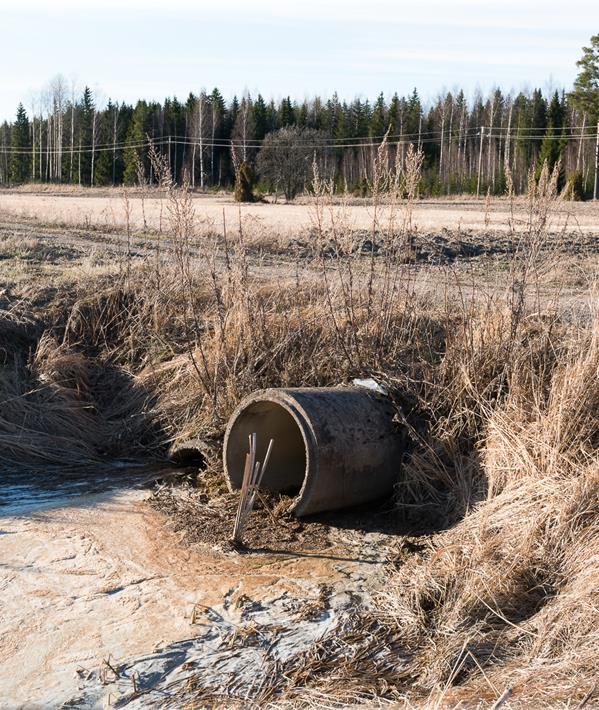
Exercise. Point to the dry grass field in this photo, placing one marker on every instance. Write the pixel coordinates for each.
(130, 322)
(103, 208)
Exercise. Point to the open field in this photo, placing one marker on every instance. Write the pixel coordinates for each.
(104, 208)
(129, 325)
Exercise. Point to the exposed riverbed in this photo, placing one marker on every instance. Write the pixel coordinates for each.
(103, 606)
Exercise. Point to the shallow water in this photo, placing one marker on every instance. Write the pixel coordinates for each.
(26, 491)
(90, 573)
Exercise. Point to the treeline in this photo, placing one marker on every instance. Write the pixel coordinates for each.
(469, 146)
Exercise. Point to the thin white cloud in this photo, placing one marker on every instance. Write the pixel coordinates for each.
(478, 57)
(287, 46)
(463, 13)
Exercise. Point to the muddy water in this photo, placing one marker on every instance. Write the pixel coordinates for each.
(93, 581)
(29, 492)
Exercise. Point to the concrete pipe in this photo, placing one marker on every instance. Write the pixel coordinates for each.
(334, 447)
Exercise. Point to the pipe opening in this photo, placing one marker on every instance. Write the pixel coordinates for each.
(287, 466)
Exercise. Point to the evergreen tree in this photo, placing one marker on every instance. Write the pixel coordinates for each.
(217, 101)
(231, 117)
(393, 114)
(302, 114)
(585, 95)
(332, 115)
(538, 110)
(124, 119)
(260, 118)
(538, 120)
(20, 163)
(413, 115)
(177, 131)
(136, 136)
(519, 126)
(86, 136)
(272, 117)
(103, 164)
(359, 118)
(553, 143)
(378, 123)
(316, 119)
(4, 153)
(217, 120)
(286, 113)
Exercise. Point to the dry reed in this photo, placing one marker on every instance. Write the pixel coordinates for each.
(252, 477)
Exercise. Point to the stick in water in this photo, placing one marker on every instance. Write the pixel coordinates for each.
(253, 473)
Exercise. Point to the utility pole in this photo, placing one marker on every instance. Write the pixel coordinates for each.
(596, 163)
(480, 159)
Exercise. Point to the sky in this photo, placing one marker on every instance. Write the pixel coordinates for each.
(130, 49)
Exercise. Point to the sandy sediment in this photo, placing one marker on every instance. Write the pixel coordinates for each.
(100, 581)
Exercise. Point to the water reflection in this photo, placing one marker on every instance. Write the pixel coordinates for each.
(22, 491)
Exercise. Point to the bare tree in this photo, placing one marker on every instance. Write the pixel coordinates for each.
(33, 102)
(287, 155)
(115, 124)
(243, 130)
(58, 98)
(200, 127)
(215, 121)
(73, 103)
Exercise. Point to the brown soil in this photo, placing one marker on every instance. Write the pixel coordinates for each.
(205, 513)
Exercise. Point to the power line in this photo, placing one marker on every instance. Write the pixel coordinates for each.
(256, 145)
(330, 142)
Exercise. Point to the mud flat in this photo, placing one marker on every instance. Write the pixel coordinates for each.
(103, 605)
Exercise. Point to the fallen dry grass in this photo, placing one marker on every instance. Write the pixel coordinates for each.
(498, 391)
(508, 597)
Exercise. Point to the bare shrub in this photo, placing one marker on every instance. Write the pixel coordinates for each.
(286, 157)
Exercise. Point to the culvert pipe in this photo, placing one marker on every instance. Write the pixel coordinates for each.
(334, 447)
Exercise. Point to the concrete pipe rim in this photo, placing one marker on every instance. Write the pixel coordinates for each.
(280, 398)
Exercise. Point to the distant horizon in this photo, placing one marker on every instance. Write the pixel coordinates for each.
(136, 49)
